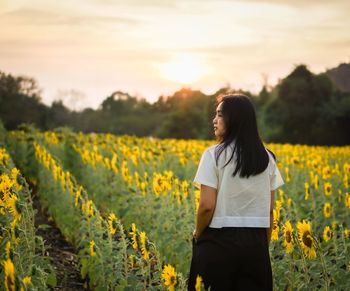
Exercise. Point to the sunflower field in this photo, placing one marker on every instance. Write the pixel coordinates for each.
(128, 206)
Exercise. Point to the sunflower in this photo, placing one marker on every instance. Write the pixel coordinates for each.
(92, 248)
(307, 190)
(112, 223)
(89, 209)
(281, 195)
(9, 270)
(315, 164)
(328, 189)
(133, 233)
(346, 232)
(346, 181)
(295, 160)
(278, 210)
(326, 173)
(14, 207)
(184, 186)
(327, 233)
(339, 195)
(275, 229)
(143, 241)
(286, 169)
(4, 157)
(197, 195)
(27, 280)
(334, 225)
(169, 277)
(306, 239)
(77, 196)
(14, 174)
(327, 210)
(316, 182)
(199, 281)
(137, 179)
(2, 207)
(347, 200)
(288, 237)
(143, 186)
(5, 187)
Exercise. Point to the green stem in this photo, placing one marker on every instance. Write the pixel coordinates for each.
(304, 262)
(343, 240)
(323, 263)
(291, 268)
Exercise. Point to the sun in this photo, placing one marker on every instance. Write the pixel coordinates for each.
(183, 69)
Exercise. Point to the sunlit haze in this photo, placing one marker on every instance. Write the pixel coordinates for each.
(184, 69)
(81, 51)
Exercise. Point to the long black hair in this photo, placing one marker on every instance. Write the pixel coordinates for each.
(241, 126)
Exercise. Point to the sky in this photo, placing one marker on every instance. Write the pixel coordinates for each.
(81, 51)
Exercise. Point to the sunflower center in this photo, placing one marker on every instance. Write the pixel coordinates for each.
(307, 240)
(288, 237)
(274, 225)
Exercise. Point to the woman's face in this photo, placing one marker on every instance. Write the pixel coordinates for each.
(218, 123)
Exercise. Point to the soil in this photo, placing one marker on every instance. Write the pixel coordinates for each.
(63, 257)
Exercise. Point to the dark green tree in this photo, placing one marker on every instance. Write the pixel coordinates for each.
(20, 102)
(298, 113)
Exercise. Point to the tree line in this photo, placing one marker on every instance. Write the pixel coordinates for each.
(303, 108)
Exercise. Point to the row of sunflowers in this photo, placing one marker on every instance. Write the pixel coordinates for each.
(24, 265)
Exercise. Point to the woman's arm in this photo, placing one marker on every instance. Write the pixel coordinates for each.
(207, 203)
(269, 230)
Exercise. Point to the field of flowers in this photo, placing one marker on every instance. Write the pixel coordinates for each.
(128, 205)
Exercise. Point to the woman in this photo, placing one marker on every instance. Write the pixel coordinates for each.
(238, 178)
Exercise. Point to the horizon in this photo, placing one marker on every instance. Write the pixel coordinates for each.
(84, 51)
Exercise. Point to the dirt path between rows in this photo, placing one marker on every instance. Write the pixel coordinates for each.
(64, 260)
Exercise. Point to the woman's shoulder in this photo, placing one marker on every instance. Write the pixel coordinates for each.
(218, 153)
(271, 154)
(211, 148)
(272, 161)
(210, 151)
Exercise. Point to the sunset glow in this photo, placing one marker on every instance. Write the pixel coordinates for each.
(184, 70)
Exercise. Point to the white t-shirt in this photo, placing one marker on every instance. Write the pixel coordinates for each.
(241, 202)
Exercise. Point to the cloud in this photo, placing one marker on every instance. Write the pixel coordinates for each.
(143, 3)
(29, 16)
(302, 3)
(189, 7)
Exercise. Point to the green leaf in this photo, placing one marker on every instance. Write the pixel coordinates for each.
(44, 226)
(84, 268)
(51, 279)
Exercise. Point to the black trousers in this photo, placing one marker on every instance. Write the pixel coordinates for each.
(232, 258)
